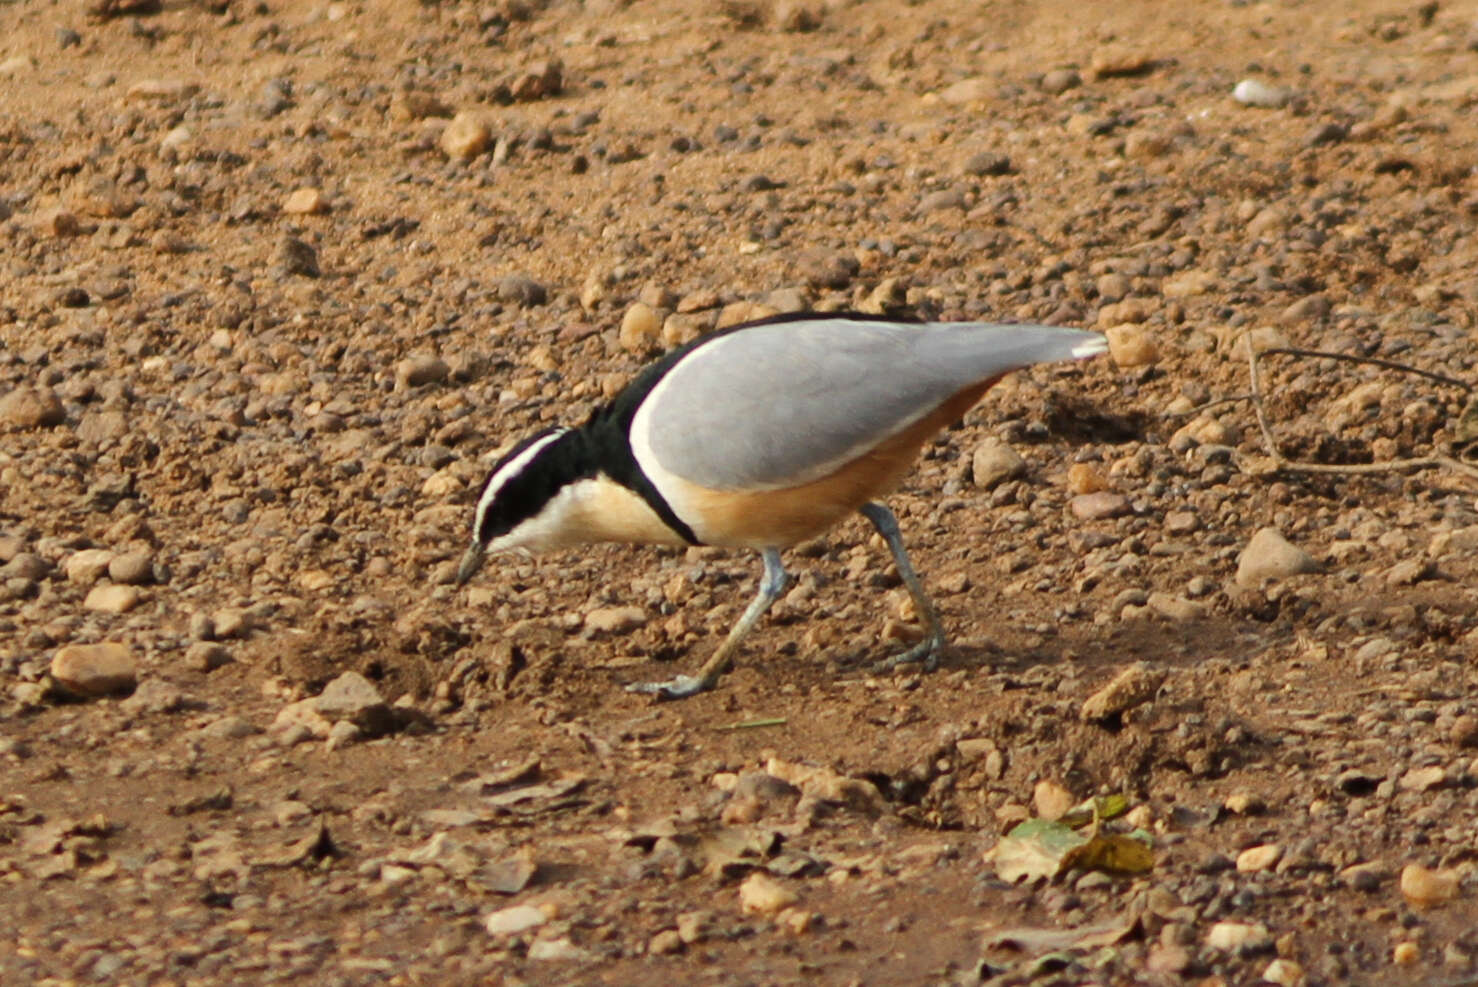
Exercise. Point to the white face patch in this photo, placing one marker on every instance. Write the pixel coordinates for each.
(510, 469)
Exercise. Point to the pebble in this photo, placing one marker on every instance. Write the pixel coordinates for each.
(112, 598)
(614, 620)
(826, 269)
(1259, 858)
(353, 698)
(304, 202)
(1232, 936)
(1051, 800)
(522, 290)
(987, 163)
(1134, 686)
(1406, 954)
(761, 894)
(1464, 732)
(1271, 556)
(132, 568)
(1251, 92)
(419, 370)
(87, 566)
(1173, 607)
(974, 90)
(297, 257)
(95, 669)
(1085, 478)
(1425, 888)
(162, 90)
(1060, 81)
(641, 328)
(206, 656)
(666, 943)
(994, 462)
(466, 136)
(943, 199)
(1423, 779)
(559, 949)
(511, 921)
(1284, 973)
(32, 407)
(1131, 345)
(1099, 506)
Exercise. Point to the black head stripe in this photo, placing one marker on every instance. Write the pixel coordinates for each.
(521, 495)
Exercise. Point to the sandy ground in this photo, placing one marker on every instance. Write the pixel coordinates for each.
(276, 279)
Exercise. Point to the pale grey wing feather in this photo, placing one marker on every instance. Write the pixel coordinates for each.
(784, 404)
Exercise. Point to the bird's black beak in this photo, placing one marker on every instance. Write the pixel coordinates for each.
(471, 562)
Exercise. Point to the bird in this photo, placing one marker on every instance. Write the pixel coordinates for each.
(758, 436)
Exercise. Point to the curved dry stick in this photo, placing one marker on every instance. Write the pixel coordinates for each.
(1281, 462)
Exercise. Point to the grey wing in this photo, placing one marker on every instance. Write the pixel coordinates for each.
(783, 404)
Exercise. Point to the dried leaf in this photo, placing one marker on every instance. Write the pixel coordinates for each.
(1034, 849)
(1114, 853)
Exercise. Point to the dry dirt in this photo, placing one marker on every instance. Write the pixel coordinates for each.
(266, 307)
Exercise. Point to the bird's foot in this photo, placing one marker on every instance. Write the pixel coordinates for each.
(926, 651)
(677, 687)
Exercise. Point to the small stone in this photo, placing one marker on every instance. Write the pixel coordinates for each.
(99, 427)
(974, 90)
(95, 669)
(352, 697)
(522, 290)
(304, 202)
(154, 696)
(342, 734)
(761, 894)
(560, 950)
(641, 327)
(87, 566)
(1134, 686)
(1406, 954)
(1051, 800)
(944, 199)
(112, 598)
(512, 921)
(1271, 556)
(1099, 506)
(132, 568)
(162, 90)
(1175, 607)
(1245, 804)
(1233, 936)
(614, 620)
(1085, 478)
(32, 407)
(419, 370)
(694, 927)
(1131, 345)
(1423, 779)
(1310, 308)
(202, 627)
(1114, 60)
(827, 269)
(1425, 888)
(412, 104)
(1464, 732)
(1059, 81)
(466, 136)
(1259, 858)
(540, 80)
(987, 163)
(296, 257)
(1251, 92)
(206, 656)
(995, 462)
(666, 943)
(1284, 973)
(230, 728)
(1188, 283)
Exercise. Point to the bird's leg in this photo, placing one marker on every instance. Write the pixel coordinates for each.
(772, 584)
(928, 649)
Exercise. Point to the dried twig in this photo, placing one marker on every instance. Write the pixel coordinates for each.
(1373, 361)
(1281, 462)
